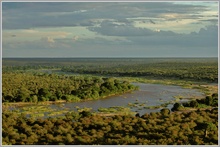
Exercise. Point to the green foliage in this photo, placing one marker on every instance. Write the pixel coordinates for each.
(208, 101)
(194, 69)
(34, 99)
(85, 113)
(84, 128)
(215, 95)
(29, 87)
(165, 111)
(193, 103)
(22, 82)
(177, 107)
(197, 69)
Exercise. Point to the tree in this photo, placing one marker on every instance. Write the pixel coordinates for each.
(176, 107)
(85, 113)
(23, 94)
(215, 95)
(208, 100)
(165, 111)
(44, 94)
(137, 115)
(194, 103)
(206, 127)
(34, 99)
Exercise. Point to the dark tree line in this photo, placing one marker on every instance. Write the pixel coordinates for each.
(198, 69)
(192, 71)
(208, 101)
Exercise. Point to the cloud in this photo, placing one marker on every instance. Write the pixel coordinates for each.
(34, 34)
(206, 37)
(17, 15)
(203, 43)
(151, 21)
(80, 11)
(109, 28)
(157, 27)
(44, 43)
(213, 21)
(49, 39)
(75, 38)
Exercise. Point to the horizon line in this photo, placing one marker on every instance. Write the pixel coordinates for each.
(108, 57)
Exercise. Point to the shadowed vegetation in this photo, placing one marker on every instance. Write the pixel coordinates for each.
(86, 128)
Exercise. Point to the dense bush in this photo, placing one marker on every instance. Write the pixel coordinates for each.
(157, 128)
(28, 87)
(193, 69)
(199, 69)
(208, 101)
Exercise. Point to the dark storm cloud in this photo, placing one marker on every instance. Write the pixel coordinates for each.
(31, 15)
(206, 37)
(21, 15)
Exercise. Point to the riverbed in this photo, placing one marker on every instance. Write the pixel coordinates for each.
(140, 101)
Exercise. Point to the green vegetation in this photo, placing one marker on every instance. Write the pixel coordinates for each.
(86, 128)
(208, 102)
(29, 87)
(187, 69)
(41, 81)
(115, 111)
(195, 69)
(39, 111)
(144, 105)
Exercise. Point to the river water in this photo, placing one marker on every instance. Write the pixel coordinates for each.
(147, 95)
(138, 101)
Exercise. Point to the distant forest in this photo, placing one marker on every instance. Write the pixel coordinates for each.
(197, 69)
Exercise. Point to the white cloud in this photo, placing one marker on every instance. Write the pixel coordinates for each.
(109, 28)
(49, 40)
(30, 31)
(157, 30)
(31, 35)
(80, 11)
(75, 38)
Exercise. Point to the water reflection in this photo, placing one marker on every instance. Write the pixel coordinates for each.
(148, 95)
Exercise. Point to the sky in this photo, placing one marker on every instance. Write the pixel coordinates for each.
(110, 29)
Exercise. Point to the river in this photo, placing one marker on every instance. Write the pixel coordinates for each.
(147, 95)
(138, 101)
